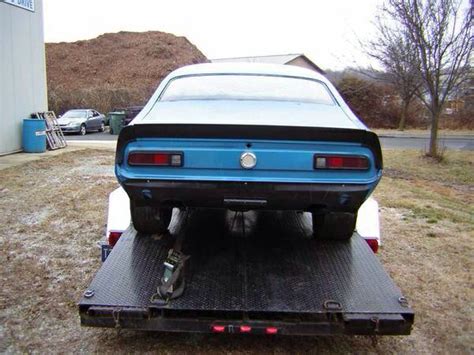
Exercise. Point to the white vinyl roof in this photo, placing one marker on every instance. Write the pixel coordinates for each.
(190, 116)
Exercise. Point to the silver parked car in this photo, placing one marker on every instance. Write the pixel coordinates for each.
(82, 121)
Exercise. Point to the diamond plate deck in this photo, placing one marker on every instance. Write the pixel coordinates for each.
(255, 262)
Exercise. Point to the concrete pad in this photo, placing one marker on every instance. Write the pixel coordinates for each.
(93, 144)
(15, 159)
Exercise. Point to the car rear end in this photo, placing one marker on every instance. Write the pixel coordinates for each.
(297, 169)
(251, 137)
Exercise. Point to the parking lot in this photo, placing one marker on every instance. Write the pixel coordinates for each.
(53, 211)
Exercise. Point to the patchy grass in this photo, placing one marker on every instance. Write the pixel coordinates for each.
(432, 190)
(427, 225)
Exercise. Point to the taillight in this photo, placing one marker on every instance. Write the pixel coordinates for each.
(156, 158)
(350, 162)
(114, 236)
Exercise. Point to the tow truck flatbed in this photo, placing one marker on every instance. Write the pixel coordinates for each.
(252, 272)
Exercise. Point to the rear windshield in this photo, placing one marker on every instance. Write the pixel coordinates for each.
(75, 114)
(246, 87)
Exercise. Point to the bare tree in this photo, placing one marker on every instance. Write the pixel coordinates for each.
(392, 49)
(440, 38)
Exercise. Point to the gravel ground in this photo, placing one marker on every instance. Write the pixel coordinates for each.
(427, 221)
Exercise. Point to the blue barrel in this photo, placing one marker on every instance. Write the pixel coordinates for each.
(34, 135)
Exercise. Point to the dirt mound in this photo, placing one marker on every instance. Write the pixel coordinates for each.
(114, 69)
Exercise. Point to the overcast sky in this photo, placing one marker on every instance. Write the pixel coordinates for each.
(327, 31)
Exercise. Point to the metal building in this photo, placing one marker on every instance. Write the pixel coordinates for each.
(22, 68)
(299, 60)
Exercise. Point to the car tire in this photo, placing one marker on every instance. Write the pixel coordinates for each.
(334, 225)
(83, 130)
(102, 127)
(150, 220)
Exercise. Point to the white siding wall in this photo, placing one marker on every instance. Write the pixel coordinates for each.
(22, 71)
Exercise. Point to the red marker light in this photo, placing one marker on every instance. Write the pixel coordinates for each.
(114, 237)
(218, 328)
(245, 329)
(271, 330)
(373, 244)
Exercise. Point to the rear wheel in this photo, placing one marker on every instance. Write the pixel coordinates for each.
(102, 127)
(150, 220)
(334, 225)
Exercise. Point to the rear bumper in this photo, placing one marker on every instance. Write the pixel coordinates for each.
(248, 195)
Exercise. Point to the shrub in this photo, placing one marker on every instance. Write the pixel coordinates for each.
(103, 99)
(378, 104)
(462, 119)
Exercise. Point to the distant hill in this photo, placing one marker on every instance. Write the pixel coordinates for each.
(114, 69)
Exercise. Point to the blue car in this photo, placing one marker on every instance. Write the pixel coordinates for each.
(248, 136)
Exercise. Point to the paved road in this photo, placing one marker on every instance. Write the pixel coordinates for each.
(389, 142)
(461, 143)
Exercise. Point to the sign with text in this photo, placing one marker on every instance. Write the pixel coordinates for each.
(24, 4)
